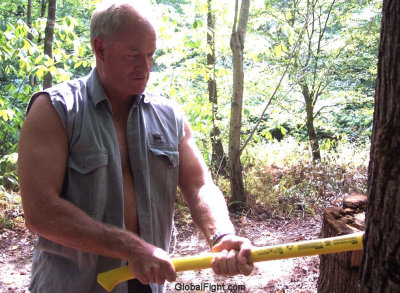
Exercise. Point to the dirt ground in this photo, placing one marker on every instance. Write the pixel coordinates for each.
(290, 275)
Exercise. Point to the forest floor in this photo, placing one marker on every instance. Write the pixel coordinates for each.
(289, 275)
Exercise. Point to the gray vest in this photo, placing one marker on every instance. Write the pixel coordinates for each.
(93, 180)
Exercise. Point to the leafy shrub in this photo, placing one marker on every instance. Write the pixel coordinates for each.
(10, 209)
(280, 176)
(8, 171)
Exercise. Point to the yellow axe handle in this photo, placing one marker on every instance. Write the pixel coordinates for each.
(343, 243)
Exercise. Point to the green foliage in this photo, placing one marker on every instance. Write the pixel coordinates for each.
(280, 176)
(340, 68)
(10, 209)
(22, 68)
(8, 171)
(277, 174)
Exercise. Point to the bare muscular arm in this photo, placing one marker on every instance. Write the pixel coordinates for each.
(43, 152)
(205, 200)
(209, 211)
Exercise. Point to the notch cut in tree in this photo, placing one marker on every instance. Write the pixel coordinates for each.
(340, 272)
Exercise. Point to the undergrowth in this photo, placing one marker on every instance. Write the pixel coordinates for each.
(281, 178)
(10, 210)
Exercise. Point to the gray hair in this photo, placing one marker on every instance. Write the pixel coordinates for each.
(106, 19)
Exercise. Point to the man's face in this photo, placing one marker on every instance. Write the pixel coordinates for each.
(128, 59)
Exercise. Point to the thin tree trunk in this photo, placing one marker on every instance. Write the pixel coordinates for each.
(30, 36)
(237, 47)
(48, 39)
(218, 157)
(312, 136)
(29, 17)
(380, 268)
(43, 5)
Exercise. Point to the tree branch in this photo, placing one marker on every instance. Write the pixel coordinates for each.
(276, 88)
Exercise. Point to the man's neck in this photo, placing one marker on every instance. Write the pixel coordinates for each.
(122, 106)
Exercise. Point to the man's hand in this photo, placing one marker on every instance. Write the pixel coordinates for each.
(151, 264)
(234, 256)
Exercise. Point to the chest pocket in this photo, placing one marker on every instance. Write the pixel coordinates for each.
(87, 179)
(164, 162)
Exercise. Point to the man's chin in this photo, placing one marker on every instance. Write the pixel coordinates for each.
(139, 89)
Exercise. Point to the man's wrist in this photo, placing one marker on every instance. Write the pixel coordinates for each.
(217, 237)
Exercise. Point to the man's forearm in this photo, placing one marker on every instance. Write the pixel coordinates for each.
(64, 223)
(209, 211)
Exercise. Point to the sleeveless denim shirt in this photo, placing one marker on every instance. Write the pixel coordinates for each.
(93, 180)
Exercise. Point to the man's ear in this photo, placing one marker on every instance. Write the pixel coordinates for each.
(99, 47)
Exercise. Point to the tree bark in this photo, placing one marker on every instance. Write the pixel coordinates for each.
(30, 36)
(218, 157)
(237, 47)
(29, 17)
(43, 5)
(48, 39)
(312, 136)
(380, 271)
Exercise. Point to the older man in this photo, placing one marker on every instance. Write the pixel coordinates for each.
(100, 160)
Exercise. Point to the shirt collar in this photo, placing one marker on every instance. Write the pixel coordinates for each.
(98, 95)
(95, 88)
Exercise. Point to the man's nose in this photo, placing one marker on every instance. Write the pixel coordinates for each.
(143, 65)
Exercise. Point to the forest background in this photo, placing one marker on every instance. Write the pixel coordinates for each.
(309, 70)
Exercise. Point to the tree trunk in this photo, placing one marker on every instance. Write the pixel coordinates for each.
(48, 39)
(237, 46)
(218, 157)
(380, 271)
(43, 5)
(29, 17)
(312, 136)
(30, 36)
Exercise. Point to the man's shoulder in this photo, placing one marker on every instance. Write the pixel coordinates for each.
(69, 94)
(70, 87)
(161, 102)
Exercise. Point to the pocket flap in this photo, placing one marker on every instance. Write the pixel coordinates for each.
(88, 161)
(171, 154)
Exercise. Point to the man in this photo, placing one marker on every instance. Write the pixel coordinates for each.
(99, 164)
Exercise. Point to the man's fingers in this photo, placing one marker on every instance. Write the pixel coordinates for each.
(159, 278)
(244, 253)
(243, 257)
(168, 271)
(226, 244)
(150, 276)
(170, 274)
(232, 263)
(245, 269)
(143, 279)
(236, 260)
(219, 263)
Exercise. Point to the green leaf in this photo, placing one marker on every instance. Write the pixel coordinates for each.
(49, 62)
(278, 51)
(7, 114)
(10, 88)
(77, 64)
